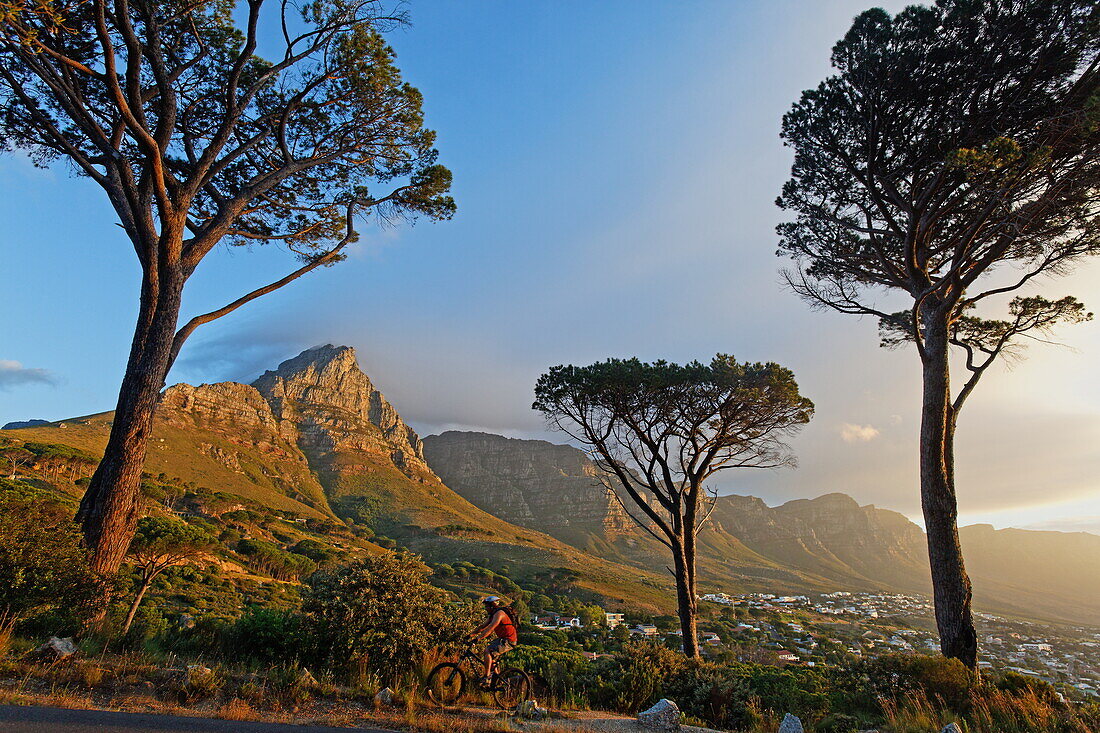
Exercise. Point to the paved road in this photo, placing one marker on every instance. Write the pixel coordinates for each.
(26, 719)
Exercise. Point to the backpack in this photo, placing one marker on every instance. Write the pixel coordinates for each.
(511, 615)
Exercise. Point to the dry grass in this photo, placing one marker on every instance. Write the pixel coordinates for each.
(11, 697)
(990, 711)
(7, 626)
(237, 709)
(66, 697)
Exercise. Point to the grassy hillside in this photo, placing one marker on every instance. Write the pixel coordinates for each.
(379, 502)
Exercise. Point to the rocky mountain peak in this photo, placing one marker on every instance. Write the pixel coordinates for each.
(332, 402)
(324, 376)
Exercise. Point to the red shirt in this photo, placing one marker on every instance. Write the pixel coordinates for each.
(504, 628)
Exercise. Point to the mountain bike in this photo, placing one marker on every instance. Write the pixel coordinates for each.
(447, 681)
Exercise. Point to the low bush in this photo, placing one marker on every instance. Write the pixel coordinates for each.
(378, 615)
(267, 635)
(939, 678)
(558, 671)
(46, 583)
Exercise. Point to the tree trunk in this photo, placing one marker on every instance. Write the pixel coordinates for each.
(950, 583)
(110, 507)
(145, 583)
(686, 602)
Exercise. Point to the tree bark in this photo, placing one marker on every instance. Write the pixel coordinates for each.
(110, 507)
(686, 602)
(950, 584)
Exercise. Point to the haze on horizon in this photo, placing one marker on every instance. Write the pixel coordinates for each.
(615, 172)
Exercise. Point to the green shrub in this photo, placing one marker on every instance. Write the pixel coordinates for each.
(378, 614)
(838, 723)
(716, 694)
(149, 624)
(939, 678)
(1016, 683)
(267, 635)
(558, 671)
(632, 679)
(46, 583)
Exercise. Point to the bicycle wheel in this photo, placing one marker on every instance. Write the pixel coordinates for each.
(510, 688)
(446, 683)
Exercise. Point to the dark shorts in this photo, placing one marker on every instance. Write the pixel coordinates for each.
(498, 647)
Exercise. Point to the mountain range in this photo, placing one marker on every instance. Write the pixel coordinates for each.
(316, 438)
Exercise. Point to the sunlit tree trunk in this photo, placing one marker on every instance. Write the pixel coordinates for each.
(110, 508)
(686, 603)
(950, 583)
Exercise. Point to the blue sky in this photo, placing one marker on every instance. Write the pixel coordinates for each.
(615, 169)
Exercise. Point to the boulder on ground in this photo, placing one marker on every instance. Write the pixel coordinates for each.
(186, 621)
(55, 650)
(197, 675)
(384, 697)
(790, 724)
(306, 680)
(530, 710)
(665, 715)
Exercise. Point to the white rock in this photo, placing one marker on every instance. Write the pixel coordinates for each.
(195, 673)
(791, 724)
(307, 680)
(665, 715)
(530, 709)
(56, 649)
(384, 697)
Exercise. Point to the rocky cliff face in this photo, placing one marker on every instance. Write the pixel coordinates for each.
(333, 406)
(553, 488)
(533, 483)
(831, 536)
(317, 418)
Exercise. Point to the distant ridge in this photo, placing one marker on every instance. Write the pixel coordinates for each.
(24, 424)
(827, 542)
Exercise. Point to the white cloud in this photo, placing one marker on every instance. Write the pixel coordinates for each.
(1090, 523)
(857, 433)
(14, 374)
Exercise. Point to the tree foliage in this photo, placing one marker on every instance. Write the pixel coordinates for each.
(161, 543)
(197, 140)
(954, 140)
(663, 429)
(269, 558)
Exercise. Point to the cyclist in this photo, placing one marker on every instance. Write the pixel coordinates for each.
(500, 620)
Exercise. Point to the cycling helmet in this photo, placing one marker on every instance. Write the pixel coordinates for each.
(491, 599)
